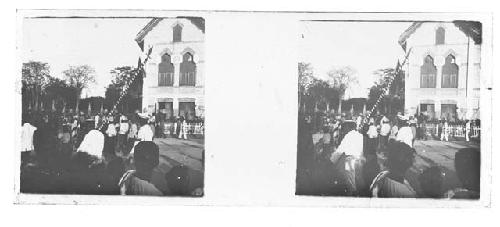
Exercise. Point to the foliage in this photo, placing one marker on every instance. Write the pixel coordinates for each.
(319, 94)
(341, 78)
(35, 76)
(120, 76)
(79, 77)
(393, 100)
(305, 76)
(35, 73)
(60, 91)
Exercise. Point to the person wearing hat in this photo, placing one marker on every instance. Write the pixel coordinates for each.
(405, 133)
(145, 133)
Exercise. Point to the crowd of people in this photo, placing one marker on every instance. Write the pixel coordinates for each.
(370, 156)
(105, 153)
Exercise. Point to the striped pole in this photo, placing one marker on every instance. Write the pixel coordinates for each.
(386, 89)
(127, 84)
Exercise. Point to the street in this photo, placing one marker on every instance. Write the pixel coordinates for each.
(437, 153)
(174, 152)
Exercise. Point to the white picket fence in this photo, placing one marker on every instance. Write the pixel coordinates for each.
(192, 128)
(454, 130)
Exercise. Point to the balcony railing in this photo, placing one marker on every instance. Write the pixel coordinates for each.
(187, 79)
(165, 79)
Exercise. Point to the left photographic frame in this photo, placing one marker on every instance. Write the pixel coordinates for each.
(112, 105)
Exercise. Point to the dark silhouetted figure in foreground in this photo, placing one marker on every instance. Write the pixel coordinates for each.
(138, 181)
(431, 182)
(391, 183)
(467, 166)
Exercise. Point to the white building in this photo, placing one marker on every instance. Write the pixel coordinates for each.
(443, 69)
(174, 74)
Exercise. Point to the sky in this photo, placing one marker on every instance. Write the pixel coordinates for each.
(364, 46)
(101, 43)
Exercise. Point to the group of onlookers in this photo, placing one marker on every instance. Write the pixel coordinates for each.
(371, 157)
(108, 154)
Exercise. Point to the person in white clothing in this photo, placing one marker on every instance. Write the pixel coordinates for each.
(132, 134)
(93, 143)
(467, 131)
(96, 121)
(446, 131)
(111, 131)
(182, 133)
(351, 148)
(145, 133)
(405, 134)
(27, 132)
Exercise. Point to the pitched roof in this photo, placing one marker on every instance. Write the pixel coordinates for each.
(196, 21)
(144, 31)
(408, 32)
(472, 29)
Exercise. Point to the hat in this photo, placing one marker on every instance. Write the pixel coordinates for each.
(143, 115)
(404, 118)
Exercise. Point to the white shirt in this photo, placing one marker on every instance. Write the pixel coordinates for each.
(111, 131)
(145, 133)
(93, 143)
(385, 129)
(96, 121)
(133, 131)
(372, 131)
(27, 132)
(124, 126)
(405, 135)
(352, 144)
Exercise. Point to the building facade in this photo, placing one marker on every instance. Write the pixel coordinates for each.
(442, 73)
(174, 73)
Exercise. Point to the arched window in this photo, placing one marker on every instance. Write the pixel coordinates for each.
(187, 71)
(177, 33)
(166, 71)
(440, 34)
(449, 78)
(428, 73)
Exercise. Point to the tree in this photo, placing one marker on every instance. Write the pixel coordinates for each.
(393, 100)
(305, 80)
(321, 94)
(340, 79)
(58, 92)
(79, 77)
(35, 76)
(120, 77)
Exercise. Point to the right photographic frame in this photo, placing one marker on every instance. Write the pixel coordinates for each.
(390, 109)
